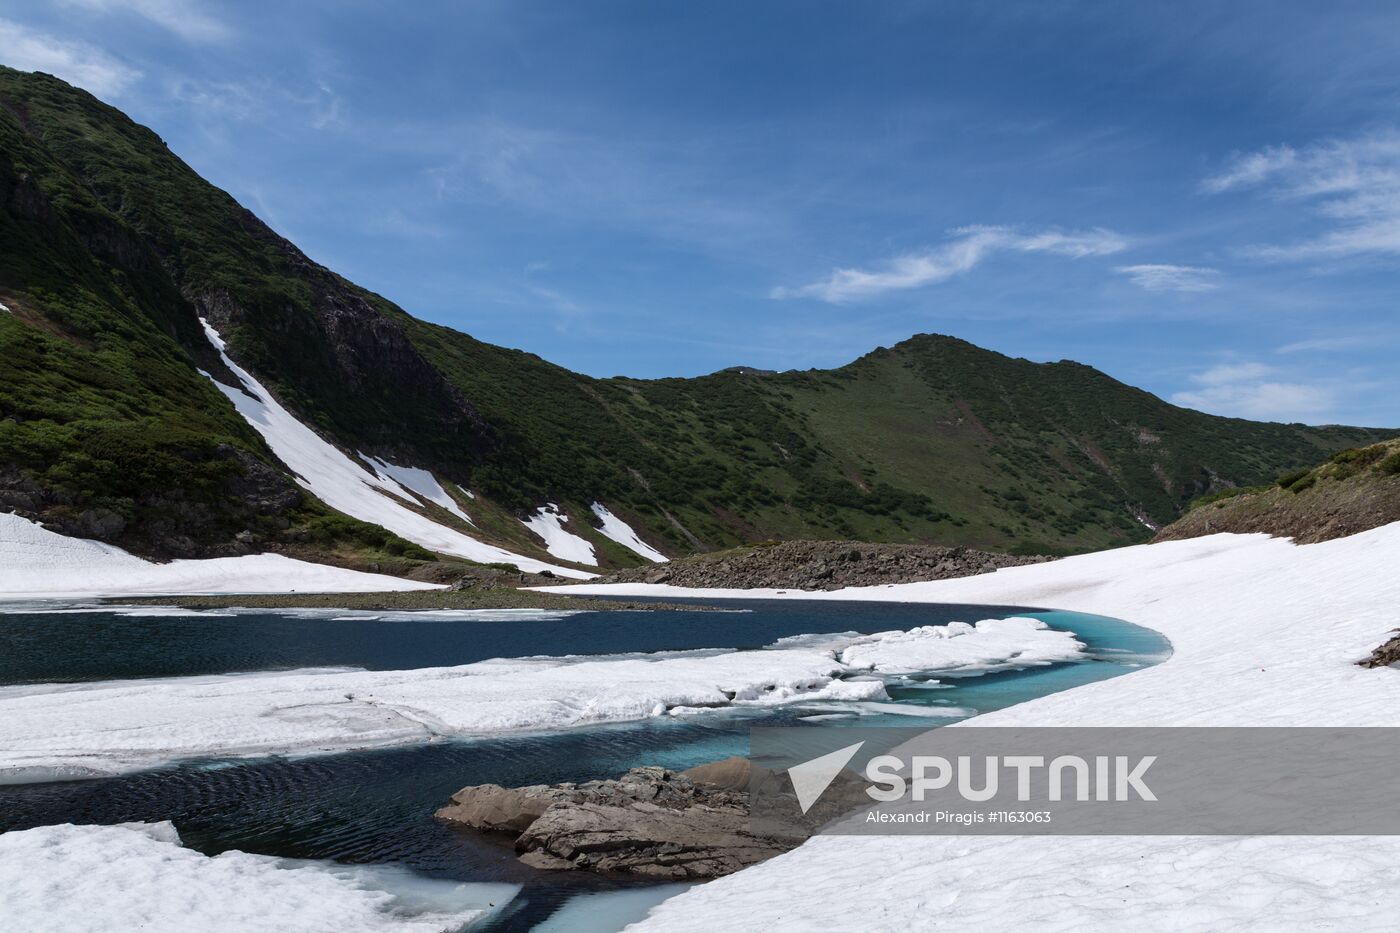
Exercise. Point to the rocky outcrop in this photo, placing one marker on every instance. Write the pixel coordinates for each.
(821, 565)
(651, 821)
(1384, 655)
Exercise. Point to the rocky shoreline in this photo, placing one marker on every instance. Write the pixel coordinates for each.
(821, 565)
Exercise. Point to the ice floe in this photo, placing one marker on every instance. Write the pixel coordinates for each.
(617, 530)
(350, 487)
(960, 648)
(548, 523)
(80, 730)
(37, 563)
(137, 876)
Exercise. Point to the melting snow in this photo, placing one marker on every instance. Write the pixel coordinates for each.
(137, 876)
(37, 563)
(1264, 632)
(347, 486)
(419, 481)
(80, 730)
(548, 523)
(621, 532)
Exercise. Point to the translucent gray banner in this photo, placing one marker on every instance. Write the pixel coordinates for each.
(1052, 781)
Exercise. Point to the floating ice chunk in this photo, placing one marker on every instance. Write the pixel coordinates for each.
(37, 563)
(348, 486)
(421, 482)
(990, 645)
(548, 523)
(138, 877)
(621, 532)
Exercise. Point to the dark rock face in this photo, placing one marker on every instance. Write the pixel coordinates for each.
(337, 347)
(651, 821)
(821, 565)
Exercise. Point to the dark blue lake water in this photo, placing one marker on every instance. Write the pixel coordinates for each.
(376, 807)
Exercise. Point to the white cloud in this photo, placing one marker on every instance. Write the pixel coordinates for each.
(967, 247)
(1252, 390)
(75, 62)
(1251, 168)
(1352, 184)
(184, 18)
(1164, 277)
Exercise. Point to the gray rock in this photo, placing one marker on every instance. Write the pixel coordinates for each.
(650, 821)
(827, 565)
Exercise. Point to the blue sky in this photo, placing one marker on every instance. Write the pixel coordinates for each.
(1201, 199)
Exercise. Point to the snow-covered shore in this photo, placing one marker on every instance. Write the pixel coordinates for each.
(36, 563)
(139, 877)
(1264, 632)
(94, 729)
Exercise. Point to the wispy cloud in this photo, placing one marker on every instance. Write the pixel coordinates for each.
(75, 62)
(188, 20)
(261, 100)
(967, 247)
(1328, 344)
(1164, 277)
(1253, 390)
(1353, 184)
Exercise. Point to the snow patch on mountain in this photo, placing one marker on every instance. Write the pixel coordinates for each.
(617, 530)
(421, 482)
(548, 524)
(347, 486)
(36, 563)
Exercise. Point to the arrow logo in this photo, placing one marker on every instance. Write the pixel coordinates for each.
(811, 778)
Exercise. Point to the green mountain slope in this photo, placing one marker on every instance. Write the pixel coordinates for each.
(1355, 490)
(111, 249)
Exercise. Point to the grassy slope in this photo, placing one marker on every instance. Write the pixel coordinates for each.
(112, 247)
(1355, 490)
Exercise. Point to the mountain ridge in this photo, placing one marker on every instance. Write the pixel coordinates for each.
(112, 252)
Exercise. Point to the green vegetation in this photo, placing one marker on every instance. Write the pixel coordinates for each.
(1223, 494)
(111, 249)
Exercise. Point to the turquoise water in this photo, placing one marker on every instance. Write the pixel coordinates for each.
(376, 807)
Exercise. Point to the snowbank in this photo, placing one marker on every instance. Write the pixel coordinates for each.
(37, 563)
(1264, 633)
(137, 876)
(88, 729)
(343, 484)
(548, 523)
(617, 530)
